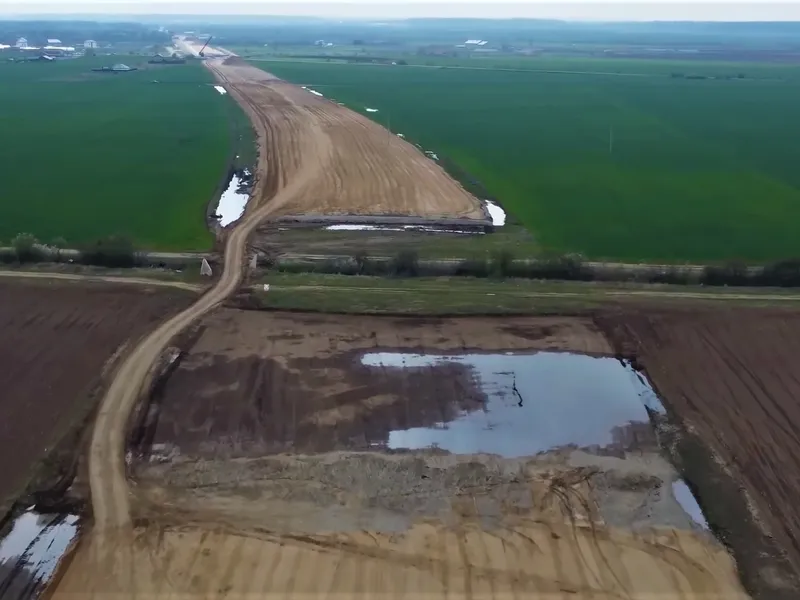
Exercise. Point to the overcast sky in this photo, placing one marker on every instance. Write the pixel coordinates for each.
(587, 9)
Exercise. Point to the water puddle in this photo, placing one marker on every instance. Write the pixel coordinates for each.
(30, 553)
(688, 502)
(497, 213)
(535, 403)
(234, 199)
(221, 89)
(425, 228)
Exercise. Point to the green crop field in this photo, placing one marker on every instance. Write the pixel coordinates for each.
(617, 160)
(85, 155)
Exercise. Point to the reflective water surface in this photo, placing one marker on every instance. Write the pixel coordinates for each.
(535, 403)
(29, 554)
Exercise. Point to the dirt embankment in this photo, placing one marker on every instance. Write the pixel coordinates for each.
(730, 376)
(56, 341)
(367, 170)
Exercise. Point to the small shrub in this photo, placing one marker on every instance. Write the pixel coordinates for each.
(112, 251)
(472, 268)
(730, 274)
(673, 276)
(405, 264)
(361, 260)
(502, 263)
(26, 248)
(785, 273)
(56, 246)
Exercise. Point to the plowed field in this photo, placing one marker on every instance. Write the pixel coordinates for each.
(733, 377)
(56, 339)
(363, 168)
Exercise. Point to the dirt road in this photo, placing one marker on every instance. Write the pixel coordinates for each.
(181, 285)
(108, 482)
(369, 170)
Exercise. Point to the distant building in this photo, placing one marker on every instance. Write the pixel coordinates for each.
(53, 41)
(89, 44)
(22, 43)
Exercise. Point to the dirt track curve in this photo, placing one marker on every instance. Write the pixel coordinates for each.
(109, 486)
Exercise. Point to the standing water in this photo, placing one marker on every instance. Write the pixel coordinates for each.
(234, 199)
(30, 553)
(539, 402)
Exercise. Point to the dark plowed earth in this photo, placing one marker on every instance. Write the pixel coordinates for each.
(733, 378)
(55, 339)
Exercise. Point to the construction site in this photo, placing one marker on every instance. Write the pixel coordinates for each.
(638, 449)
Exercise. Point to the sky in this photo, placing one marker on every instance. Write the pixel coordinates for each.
(594, 10)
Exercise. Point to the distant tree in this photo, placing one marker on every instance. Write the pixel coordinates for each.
(361, 258)
(26, 247)
(112, 251)
(58, 244)
(406, 263)
(502, 262)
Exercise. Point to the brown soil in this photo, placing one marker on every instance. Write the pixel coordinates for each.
(731, 379)
(228, 517)
(258, 383)
(56, 341)
(363, 168)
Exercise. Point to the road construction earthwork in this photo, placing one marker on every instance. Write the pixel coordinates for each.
(161, 443)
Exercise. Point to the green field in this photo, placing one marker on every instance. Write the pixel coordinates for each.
(697, 170)
(84, 155)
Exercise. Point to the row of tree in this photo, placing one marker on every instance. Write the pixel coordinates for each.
(571, 267)
(111, 251)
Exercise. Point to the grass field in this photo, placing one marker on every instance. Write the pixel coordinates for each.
(617, 160)
(84, 155)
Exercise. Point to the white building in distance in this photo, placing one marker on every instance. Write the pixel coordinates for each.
(22, 43)
(53, 41)
(90, 44)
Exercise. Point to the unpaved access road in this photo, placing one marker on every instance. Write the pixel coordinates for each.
(144, 281)
(369, 170)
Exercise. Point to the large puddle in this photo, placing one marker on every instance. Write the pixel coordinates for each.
(30, 553)
(540, 402)
(535, 403)
(234, 199)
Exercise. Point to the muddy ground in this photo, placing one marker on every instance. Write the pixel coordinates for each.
(258, 383)
(272, 431)
(732, 378)
(57, 341)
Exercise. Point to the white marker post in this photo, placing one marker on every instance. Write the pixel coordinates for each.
(205, 268)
